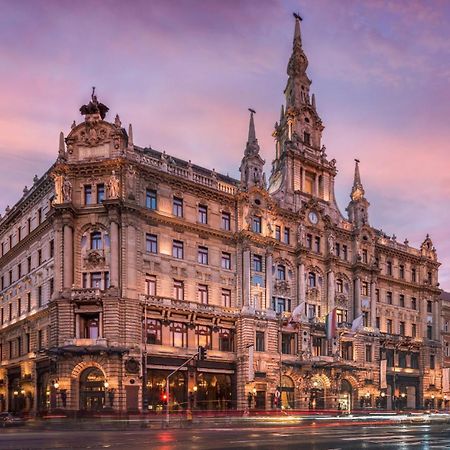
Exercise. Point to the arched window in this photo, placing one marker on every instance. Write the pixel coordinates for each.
(96, 240)
(312, 279)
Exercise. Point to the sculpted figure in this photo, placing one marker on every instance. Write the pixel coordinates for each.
(300, 234)
(67, 191)
(331, 244)
(114, 186)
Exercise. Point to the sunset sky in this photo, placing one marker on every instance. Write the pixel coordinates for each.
(185, 72)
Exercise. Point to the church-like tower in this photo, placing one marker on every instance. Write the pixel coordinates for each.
(358, 206)
(300, 167)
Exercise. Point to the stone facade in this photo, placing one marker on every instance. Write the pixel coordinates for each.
(121, 260)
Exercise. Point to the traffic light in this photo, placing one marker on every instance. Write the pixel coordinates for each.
(164, 398)
(202, 353)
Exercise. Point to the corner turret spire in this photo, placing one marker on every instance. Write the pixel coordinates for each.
(252, 164)
(357, 188)
(358, 206)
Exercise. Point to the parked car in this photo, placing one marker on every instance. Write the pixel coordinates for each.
(7, 419)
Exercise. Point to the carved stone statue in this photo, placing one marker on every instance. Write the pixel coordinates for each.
(114, 186)
(331, 249)
(66, 191)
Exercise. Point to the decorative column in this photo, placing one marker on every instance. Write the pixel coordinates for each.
(246, 277)
(301, 283)
(114, 266)
(131, 260)
(303, 179)
(373, 304)
(269, 278)
(316, 185)
(357, 297)
(331, 290)
(68, 256)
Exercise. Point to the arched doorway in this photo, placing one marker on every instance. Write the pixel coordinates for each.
(287, 393)
(317, 395)
(92, 389)
(345, 395)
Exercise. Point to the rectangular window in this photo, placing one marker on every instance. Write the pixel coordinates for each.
(96, 280)
(226, 298)
(178, 289)
(347, 351)
(287, 343)
(414, 360)
(429, 306)
(413, 330)
(150, 285)
(402, 329)
(377, 294)
(226, 261)
(29, 225)
(281, 272)
(317, 244)
(202, 255)
(203, 333)
(389, 326)
(40, 339)
(344, 252)
(100, 192)
(389, 298)
(389, 268)
(177, 207)
(28, 264)
(87, 194)
(226, 340)
(203, 294)
(368, 353)
(287, 235)
(19, 307)
(257, 263)
(401, 300)
(19, 271)
(337, 249)
(19, 233)
(365, 318)
(178, 249)
(401, 271)
(429, 332)
(28, 302)
(402, 359)
(413, 303)
(280, 304)
(309, 241)
(278, 232)
(179, 335)
(151, 243)
(259, 341)
(107, 280)
(39, 257)
(365, 288)
(341, 315)
(52, 248)
(52, 287)
(39, 216)
(27, 343)
(96, 240)
(432, 362)
(40, 296)
(413, 275)
(202, 214)
(257, 224)
(377, 320)
(226, 221)
(153, 331)
(151, 199)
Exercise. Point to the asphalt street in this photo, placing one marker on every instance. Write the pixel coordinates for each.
(318, 436)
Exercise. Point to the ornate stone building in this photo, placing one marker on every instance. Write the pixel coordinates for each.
(121, 260)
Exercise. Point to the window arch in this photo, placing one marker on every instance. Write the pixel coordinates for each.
(312, 279)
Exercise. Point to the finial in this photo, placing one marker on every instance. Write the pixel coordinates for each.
(252, 111)
(117, 121)
(357, 161)
(74, 124)
(297, 16)
(313, 99)
(93, 93)
(130, 136)
(251, 128)
(35, 179)
(25, 190)
(62, 147)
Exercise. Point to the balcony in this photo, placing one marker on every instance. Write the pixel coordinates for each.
(184, 305)
(83, 342)
(86, 295)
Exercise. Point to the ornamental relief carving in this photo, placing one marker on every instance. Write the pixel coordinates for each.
(94, 258)
(281, 287)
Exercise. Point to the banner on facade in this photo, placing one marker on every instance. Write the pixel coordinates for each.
(446, 379)
(251, 358)
(331, 324)
(383, 380)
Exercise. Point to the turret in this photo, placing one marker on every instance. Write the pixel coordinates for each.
(358, 206)
(252, 164)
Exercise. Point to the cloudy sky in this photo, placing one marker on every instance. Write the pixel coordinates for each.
(184, 73)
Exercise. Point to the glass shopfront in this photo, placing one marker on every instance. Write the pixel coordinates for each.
(156, 390)
(214, 391)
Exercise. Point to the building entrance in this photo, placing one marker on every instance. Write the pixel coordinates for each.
(92, 389)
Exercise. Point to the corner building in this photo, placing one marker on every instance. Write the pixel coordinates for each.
(121, 260)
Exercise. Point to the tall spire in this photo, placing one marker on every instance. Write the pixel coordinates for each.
(298, 62)
(357, 188)
(252, 143)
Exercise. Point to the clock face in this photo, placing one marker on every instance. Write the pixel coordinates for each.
(312, 216)
(276, 183)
